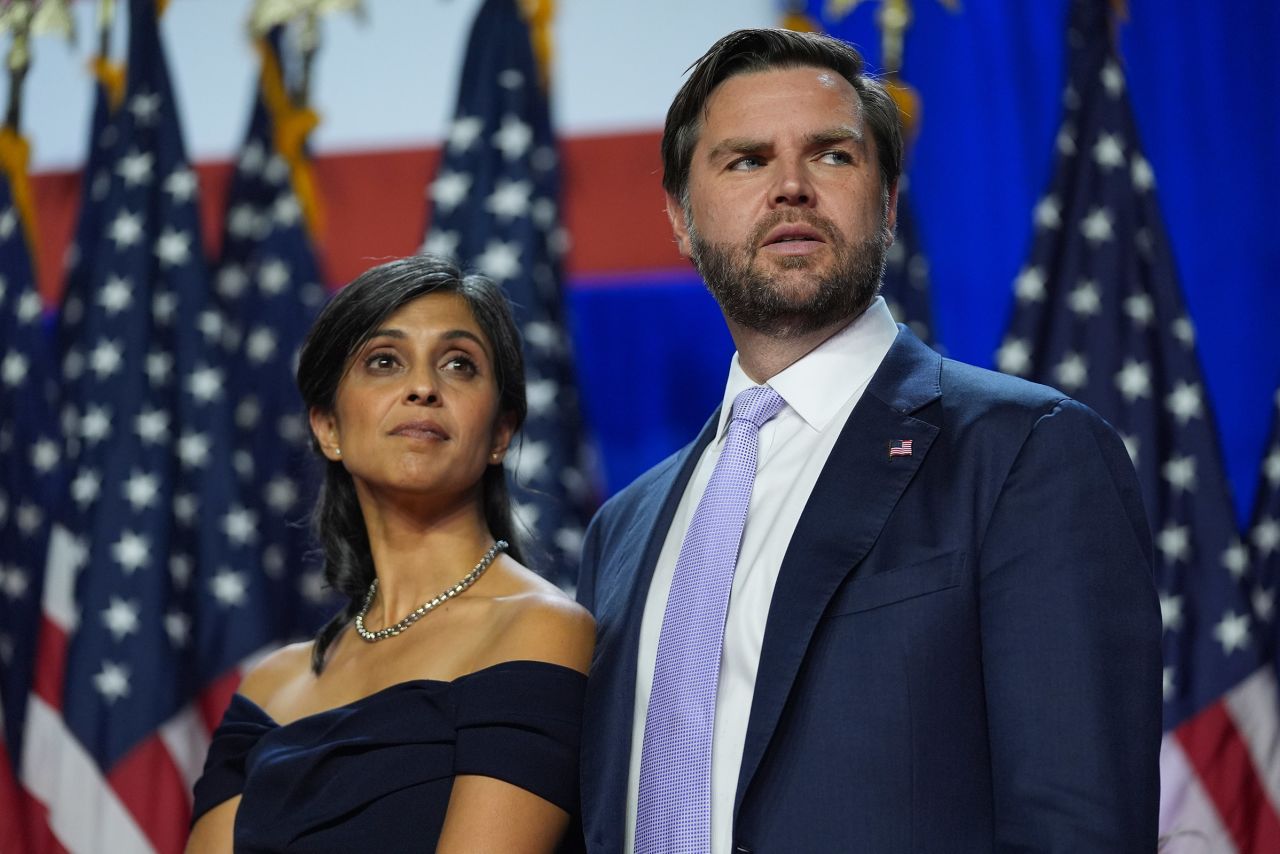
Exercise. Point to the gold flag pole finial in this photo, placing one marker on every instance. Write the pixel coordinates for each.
(23, 19)
(795, 17)
(268, 14)
(292, 118)
(837, 9)
(539, 14)
(15, 19)
(894, 19)
(110, 74)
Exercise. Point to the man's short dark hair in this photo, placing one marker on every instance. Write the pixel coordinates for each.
(746, 51)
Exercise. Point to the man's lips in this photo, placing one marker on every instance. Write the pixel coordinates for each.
(422, 429)
(793, 239)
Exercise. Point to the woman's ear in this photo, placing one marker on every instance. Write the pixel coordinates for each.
(324, 427)
(503, 432)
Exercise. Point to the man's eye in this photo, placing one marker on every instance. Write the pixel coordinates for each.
(837, 156)
(746, 164)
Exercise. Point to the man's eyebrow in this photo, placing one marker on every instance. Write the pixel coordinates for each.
(738, 145)
(750, 145)
(831, 136)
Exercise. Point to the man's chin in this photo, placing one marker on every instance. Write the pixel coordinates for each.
(784, 325)
(772, 264)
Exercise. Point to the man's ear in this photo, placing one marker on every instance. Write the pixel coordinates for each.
(503, 432)
(324, 427)
(891, 216)
(679, 225)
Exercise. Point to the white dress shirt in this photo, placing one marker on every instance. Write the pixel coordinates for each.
(820, 391)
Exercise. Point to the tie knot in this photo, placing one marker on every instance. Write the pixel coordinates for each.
(757, 404)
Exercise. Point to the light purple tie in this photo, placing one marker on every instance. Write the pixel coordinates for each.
(674, 809)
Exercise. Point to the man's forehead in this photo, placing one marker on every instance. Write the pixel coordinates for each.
(749, 81)
(845, 106)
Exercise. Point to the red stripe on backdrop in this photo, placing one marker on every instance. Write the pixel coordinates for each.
(51, 664)
(152, 789)
(213, 701)
(12, 833)
(24, 825)
(375, 207)
(1221, 760)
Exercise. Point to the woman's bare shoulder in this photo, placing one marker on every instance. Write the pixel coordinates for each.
(278, 670)
(540, 622)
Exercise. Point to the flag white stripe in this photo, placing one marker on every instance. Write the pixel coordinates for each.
(185, 737)
(1189, 822)
(64, 558)
(84, 812)
(1253, 706)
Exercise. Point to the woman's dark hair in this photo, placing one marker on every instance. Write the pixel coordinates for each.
(747, 51)
(342, 328)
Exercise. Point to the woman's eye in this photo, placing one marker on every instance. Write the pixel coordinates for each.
(461, 364)
(381, 362)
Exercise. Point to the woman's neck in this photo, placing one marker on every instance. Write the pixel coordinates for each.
(419, 552)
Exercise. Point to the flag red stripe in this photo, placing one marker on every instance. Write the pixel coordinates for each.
(215, 698)
(51, 663)
(38, 839)
(12, 836)
(24, 822)
(151, 787)
(1221, 760)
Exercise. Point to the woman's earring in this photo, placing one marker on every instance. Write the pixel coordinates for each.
(337, 452)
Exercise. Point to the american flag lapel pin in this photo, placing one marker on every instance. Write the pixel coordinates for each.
(900, 448)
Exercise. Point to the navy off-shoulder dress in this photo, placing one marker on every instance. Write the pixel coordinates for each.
(375, 775)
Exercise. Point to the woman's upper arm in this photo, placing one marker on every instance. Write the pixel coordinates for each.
(214, 832)
(488, 815)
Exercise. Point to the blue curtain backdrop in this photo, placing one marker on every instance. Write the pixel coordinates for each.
(1205, 87)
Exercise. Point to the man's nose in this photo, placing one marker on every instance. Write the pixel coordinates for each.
(792, 186)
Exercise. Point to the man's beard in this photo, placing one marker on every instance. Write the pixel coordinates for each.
(755, 299)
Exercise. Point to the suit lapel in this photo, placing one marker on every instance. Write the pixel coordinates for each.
(607, 726)
(855, 493)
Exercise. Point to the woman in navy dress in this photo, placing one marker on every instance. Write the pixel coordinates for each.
(440, 709)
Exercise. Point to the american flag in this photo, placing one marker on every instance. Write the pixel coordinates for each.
(153, 591)
(31, 479)
(900, 448)
(1264, 533)
(96, 181)
(495, 208)
(1099, 313)
(269, 288)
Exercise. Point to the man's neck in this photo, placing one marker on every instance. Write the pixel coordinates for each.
(762, 357)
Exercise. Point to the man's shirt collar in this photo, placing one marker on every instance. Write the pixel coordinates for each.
(822, 381)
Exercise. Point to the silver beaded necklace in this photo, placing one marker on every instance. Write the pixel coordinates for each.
(426, 607)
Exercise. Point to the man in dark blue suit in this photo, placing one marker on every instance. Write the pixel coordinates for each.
(893, 603)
